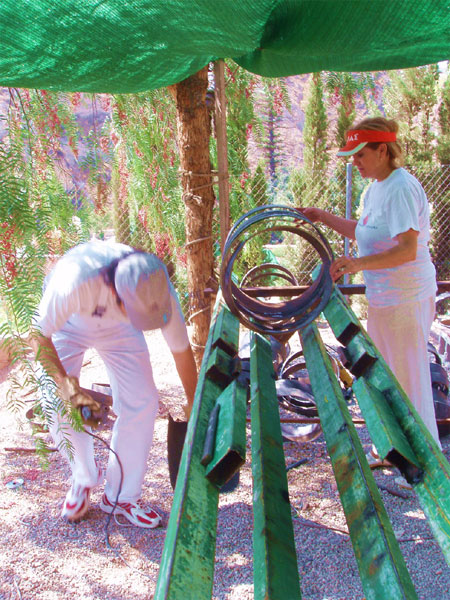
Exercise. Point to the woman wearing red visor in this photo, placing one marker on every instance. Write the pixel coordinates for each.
(392, 236)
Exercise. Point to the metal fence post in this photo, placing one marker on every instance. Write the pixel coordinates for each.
(222, 156)
(348, 207)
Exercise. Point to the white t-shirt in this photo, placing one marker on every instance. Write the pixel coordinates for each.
(75, 289)
(393, 206)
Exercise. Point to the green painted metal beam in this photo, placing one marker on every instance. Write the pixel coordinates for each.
(383, 426)
(345, 324)
(221, 367)
(433, 490)
(187, 563)
(381, 565)
(275, 570)
(226, 332)
(230, 435)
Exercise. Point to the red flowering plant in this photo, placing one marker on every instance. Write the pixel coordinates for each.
(25, 219)
(146, 192)
(253, 105)
(42, 213)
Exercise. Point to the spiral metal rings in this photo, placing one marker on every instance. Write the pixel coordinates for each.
(284, 316)
(262, 272)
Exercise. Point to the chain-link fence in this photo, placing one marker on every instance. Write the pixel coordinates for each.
(436, 183)
(342, 193)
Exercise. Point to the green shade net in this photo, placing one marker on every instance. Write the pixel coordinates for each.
(136, 45)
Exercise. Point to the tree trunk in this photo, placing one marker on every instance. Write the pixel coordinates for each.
(193, 128)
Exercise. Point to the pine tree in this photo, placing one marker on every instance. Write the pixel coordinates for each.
(443, 146)
(307, 185)
(344, 89)
(411, 99)
(441, 212)
(259, 186)
(315, 155)
(276, 101)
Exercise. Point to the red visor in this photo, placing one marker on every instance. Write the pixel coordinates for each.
(358, 138)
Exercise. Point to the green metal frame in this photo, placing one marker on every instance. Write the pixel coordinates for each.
(381, 565)
(275, 570)
(187, 563)
(433, 487)
(214, 450)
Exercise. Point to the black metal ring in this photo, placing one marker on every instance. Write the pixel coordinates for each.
(281, 317)
(261, 272)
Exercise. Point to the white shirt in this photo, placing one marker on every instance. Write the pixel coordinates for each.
(76, 290)
(393, 206)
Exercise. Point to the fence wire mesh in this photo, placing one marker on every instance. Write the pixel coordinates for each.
(343, 195)
(341, 192)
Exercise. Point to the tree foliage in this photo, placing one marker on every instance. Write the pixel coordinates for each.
(443, 139)
(411, 99)
(315, 131)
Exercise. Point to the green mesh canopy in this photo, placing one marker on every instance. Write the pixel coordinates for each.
(135, 45)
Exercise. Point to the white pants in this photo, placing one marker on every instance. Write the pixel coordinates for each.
(401, 335)
(124, 351)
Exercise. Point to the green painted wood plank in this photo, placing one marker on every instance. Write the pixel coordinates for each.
(275, 570)
(382, 569)
(187, 563)
(434, 490)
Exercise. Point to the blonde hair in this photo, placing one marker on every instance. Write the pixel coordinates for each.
(394, 149)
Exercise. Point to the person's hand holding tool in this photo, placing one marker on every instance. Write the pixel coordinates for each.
(72, 394)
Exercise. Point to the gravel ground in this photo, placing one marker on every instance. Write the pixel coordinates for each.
(44, 558)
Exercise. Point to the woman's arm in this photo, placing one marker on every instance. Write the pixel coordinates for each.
(345, 227)
(405, 251)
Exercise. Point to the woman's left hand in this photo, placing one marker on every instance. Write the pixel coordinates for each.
(345, 265)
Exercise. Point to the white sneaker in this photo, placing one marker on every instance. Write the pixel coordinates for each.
(77, 500)
(133, 511)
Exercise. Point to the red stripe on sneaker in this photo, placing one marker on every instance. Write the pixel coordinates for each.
(143, 520)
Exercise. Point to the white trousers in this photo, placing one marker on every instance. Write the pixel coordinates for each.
(401, 334)
(124, 352)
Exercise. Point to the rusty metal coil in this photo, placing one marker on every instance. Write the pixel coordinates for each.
(285, 316)
(267, 271)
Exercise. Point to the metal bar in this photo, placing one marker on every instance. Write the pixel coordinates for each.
(230, 435)
(222, 159)
(384, 429)
(226, 332)
(434, 488)
(381, 565)
(311, 420)
(187, 563)
(275, 570)
(344, 323)
(348, 207)
(210, 437)
(296, 290)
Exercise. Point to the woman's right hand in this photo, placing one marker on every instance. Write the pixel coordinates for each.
(312, 213)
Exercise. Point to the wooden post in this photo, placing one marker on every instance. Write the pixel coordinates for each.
(193, 129)
(222, 156)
